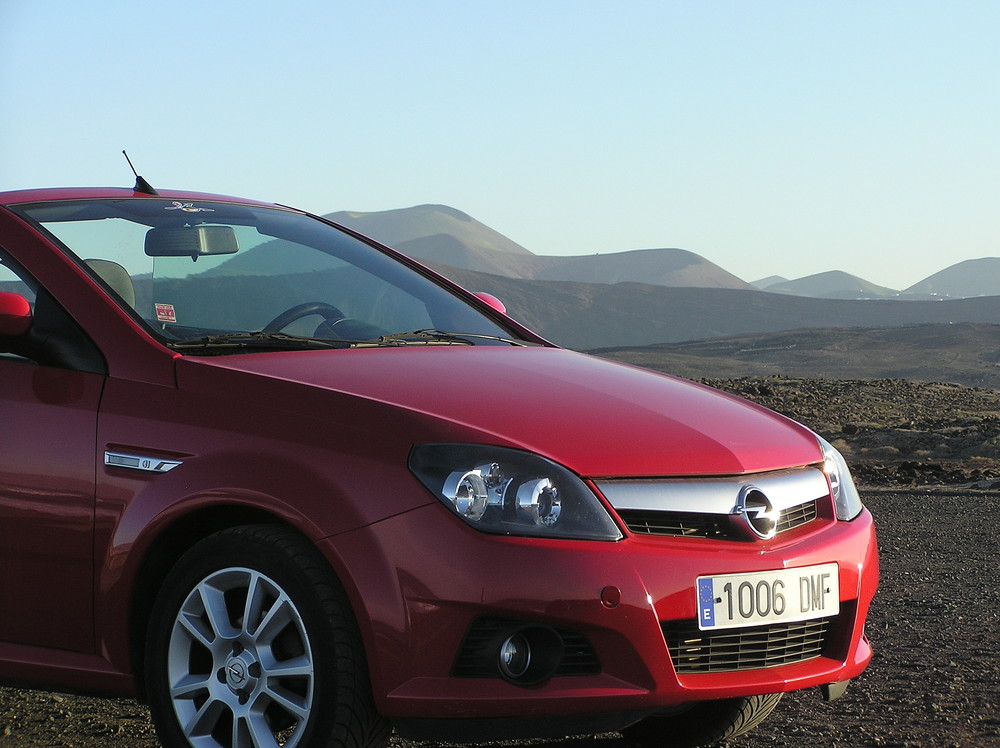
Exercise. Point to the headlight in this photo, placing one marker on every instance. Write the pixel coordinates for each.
(508, 492)
(846, 499)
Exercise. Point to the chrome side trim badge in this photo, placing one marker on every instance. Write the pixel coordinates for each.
(142, 463)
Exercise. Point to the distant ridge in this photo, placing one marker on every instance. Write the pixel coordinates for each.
(600, 315)
(833, 284)
(769, 281)
(661, 267)
(964, 279)
(444, 236)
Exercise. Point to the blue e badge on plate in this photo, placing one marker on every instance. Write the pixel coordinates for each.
(706, 602)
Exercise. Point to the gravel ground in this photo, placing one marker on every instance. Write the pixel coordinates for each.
(934, 681)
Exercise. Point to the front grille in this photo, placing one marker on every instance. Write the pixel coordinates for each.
(796, 516)
(677, 524)
(726, 650)
(698, 525)
(477, 657)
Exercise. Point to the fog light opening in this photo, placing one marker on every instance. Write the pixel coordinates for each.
(530, 655)
(515, 657)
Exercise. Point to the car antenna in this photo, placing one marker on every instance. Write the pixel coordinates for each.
(141, 185)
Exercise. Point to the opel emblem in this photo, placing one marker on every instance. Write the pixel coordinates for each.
(237, 673)
(757, 513)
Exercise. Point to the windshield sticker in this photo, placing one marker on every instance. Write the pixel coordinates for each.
(165, 313)
(189, 208)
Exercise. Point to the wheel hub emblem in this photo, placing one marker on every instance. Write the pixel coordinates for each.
(237, 673)
(241, 673)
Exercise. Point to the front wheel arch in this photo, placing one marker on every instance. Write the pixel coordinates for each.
(197, 632)
(160, 557)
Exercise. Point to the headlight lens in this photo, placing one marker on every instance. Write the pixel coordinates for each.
(509, 492)
(846, 499)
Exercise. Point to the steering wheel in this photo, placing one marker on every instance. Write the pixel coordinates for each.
(287, 317)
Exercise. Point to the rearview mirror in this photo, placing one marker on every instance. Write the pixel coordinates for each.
(191, 241)
(15, 314)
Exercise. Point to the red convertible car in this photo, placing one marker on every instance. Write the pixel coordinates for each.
(292, 488)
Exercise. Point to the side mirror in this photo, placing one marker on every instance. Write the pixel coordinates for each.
(15, 314)
(492, 300)
(191, 241)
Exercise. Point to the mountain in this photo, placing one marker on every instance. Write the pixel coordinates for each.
(448, 249)
(661, 267)
(767, 282)
(833, 284)
(445, 236)
(393, 227)
(965, 279)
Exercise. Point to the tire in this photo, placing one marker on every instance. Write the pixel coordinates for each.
(703, 723)
(252, 642)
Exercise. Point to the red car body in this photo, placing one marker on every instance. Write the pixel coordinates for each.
(320, 441)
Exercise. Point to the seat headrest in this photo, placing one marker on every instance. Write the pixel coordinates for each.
(116, 277)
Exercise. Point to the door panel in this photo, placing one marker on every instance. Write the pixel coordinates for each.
(48, 420)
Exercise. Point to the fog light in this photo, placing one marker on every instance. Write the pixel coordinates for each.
(515, 657)
(528, 655)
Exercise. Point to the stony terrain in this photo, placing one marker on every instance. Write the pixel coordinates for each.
(893, 432)
(963, 353)
(927, 455)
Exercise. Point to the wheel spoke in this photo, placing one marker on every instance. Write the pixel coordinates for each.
(216, 611)
(196, 629)
(190, 686)
(274, 621)
(295, 705)
(297, 667)
(204, 720)
(252, 731)
(253, 610)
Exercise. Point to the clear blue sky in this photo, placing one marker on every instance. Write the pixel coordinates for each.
(784, 138)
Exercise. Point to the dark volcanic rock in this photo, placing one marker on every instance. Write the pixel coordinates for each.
(893, 432)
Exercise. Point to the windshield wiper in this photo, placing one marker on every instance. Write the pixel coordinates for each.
(262, 340)
(434, 337)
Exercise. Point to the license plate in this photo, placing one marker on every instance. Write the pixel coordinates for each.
(735, 600)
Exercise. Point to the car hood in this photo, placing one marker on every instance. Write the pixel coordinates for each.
(596, 417)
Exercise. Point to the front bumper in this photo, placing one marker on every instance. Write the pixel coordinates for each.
(418, 581)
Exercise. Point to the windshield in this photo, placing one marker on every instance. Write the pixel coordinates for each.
(215, 274)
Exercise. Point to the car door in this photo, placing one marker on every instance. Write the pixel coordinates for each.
(48, 421)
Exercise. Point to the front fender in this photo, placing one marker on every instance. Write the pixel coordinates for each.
(167, 513)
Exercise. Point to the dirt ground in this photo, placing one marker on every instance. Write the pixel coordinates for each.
(935, 623)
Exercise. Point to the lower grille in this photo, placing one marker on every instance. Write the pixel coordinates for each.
(477, 657)
(696, 651)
